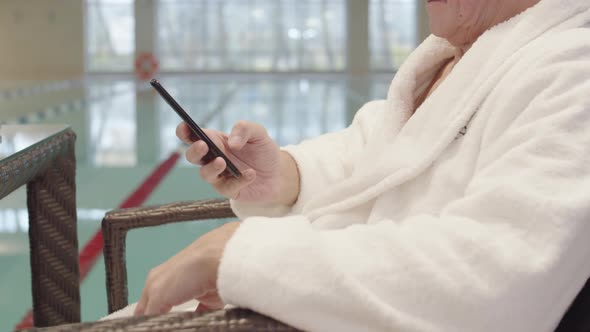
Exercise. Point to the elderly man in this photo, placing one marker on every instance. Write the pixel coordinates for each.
(460, 203)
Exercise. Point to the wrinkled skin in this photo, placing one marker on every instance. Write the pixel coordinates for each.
(461, 22)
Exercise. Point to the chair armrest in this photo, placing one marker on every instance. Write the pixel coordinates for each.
(232, 320)
(116, 223)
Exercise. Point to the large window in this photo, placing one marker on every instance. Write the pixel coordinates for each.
(248, 35)
(291, 109)
(251, 35)
(393, 32)
(113, 126)
(110, 35)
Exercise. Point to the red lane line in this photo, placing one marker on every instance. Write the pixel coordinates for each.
(93, 248)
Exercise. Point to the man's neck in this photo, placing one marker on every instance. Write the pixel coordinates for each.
(507, 10)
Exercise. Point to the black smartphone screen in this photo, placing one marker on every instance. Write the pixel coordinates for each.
(214, 151)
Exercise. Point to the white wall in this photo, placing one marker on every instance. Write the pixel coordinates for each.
(41, 39)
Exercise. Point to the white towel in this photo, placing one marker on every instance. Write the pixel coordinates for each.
(128, 310)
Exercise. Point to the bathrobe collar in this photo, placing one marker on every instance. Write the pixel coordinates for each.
(415, 143)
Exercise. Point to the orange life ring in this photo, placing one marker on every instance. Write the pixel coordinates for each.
(146, 66)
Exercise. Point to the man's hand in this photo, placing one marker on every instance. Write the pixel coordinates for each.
(190, 274)
(270, 176)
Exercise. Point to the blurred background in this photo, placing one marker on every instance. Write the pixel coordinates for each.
(299, 67)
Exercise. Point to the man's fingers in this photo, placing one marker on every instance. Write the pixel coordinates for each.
(231, 187)
(244, 132)
(155, 308)
(212, 170)
(226, 186)
(196, 152)
(209, 305)
(210, 300)
(184, 133)
(141, 304)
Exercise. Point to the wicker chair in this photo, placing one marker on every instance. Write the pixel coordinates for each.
(115, 226)
(48, 169)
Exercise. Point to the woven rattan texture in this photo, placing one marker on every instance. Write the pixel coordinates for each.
(20, 170)
(51, 199)
(238, 320)
(48, 169)
(116, 224)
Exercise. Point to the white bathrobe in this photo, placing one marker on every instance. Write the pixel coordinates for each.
(471, 215)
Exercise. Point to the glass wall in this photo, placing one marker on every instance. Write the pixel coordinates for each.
(291, 109)
(393, 32)
(113, 126)
(110, 35)
(251, 35)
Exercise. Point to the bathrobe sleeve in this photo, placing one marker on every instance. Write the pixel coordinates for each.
(510, 255)
(321, 161)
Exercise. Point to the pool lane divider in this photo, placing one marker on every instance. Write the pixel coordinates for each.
(70, 106)
(28, 91)
(93, 248)
(51, 112)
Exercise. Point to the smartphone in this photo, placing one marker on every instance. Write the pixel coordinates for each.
(214, 151)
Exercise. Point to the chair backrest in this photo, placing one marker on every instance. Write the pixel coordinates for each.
(577, 317)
